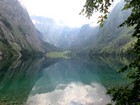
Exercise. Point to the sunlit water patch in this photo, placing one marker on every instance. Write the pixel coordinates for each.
(72, 94)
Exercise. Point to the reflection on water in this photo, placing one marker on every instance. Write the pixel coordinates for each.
(17, 79)
(58, 82)
(72, 94)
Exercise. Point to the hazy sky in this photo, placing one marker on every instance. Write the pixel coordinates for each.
(62, 11)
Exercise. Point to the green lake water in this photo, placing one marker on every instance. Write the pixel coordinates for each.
(59, 82)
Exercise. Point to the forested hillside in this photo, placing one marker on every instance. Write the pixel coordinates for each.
(113, 39)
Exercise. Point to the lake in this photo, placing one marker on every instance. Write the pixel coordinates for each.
(76, 81)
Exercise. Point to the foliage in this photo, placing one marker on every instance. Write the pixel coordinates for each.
(97, 5)
(130, 94)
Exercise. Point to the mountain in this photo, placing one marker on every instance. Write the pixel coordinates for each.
(18, 35)
(53, 33)
(86, 39)
(111, 39)
(63, 36)
(86, 36)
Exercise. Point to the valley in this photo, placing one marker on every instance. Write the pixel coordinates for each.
(49, 56)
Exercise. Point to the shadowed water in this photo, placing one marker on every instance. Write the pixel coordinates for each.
(59, 82)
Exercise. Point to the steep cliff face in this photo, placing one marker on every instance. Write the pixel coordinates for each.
(17, 33)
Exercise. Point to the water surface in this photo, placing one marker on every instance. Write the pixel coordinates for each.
(59, 82)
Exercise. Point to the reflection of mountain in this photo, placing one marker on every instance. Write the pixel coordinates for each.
(18, 78)
(100, 70)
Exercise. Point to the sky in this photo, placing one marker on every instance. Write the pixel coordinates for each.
(64, 12)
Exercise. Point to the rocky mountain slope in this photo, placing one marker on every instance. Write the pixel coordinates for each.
(18, 35)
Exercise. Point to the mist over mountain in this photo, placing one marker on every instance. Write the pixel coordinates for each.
(109, 39)
(63, 36)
